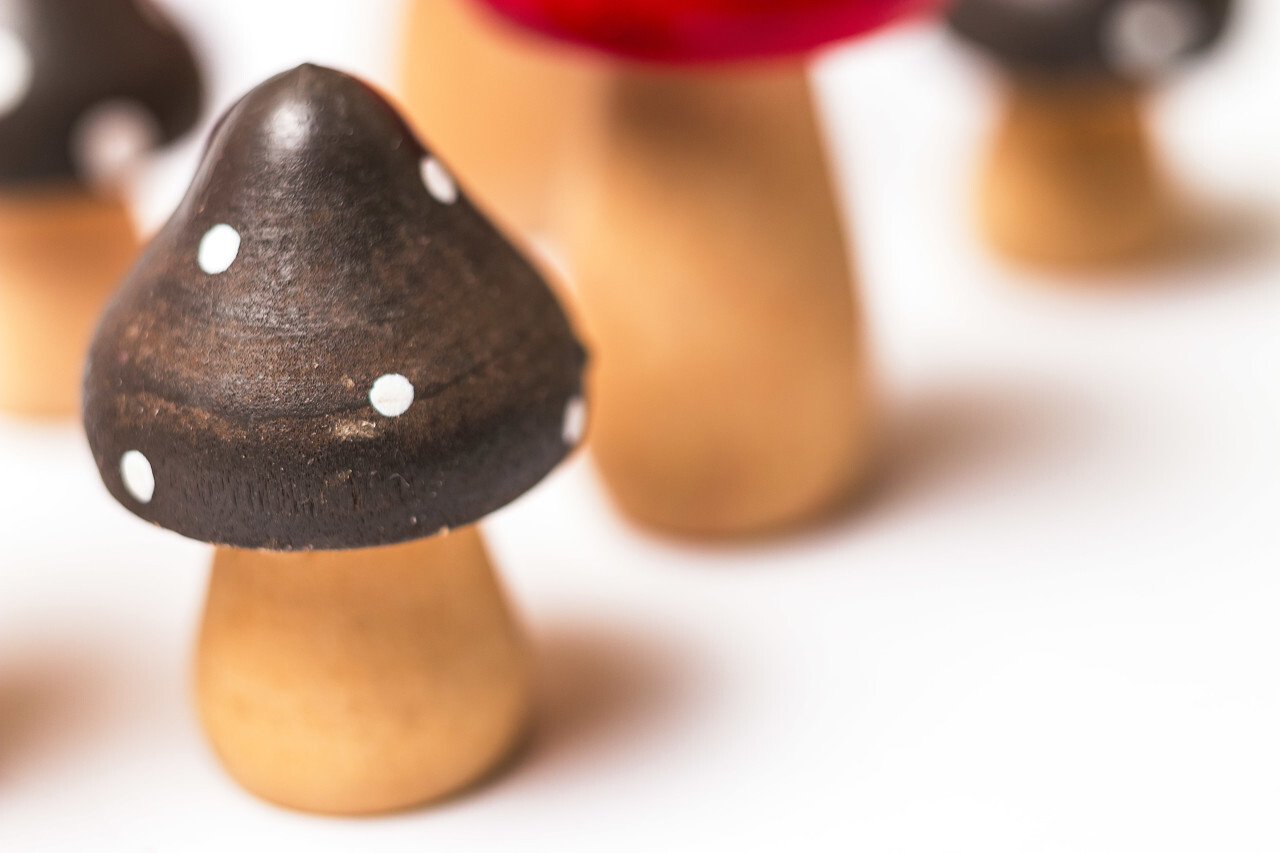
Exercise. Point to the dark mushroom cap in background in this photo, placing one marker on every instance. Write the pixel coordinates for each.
(1127, 39)
(327, 346)
(80, 75)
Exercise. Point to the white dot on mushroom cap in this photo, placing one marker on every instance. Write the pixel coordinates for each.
(112, 137)
(438, 181)
(218, 249)
(1142, 37)
(391, 395)
(139, 479)
(574, 426)
(16, 71)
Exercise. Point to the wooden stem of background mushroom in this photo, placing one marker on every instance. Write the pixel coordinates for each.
(497, 104)
(1072, 179)
(62, 253)
(351, 682)
(732, 391)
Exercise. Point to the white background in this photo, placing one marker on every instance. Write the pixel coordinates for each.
(1053, 628)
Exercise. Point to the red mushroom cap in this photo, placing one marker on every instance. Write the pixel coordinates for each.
(705, 30)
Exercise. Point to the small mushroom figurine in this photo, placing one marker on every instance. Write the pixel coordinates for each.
(330, 365)
(86, 86)
(502, 106)
(1072, 178)
(732, 393)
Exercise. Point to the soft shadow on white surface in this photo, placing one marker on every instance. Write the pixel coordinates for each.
(964, 437)
(1224, 235)
(601, 686)
(46, 710)
(60, 703)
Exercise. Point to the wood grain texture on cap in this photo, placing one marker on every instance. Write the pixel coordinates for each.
(61, 59)
(245, 373)
(1080, 36)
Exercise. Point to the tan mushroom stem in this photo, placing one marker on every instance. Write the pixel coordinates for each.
(732, 391)
(352, 682)
(62, 253)
(1072, 178)
(497, 104)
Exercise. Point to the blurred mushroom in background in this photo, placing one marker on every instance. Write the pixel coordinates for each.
(87, 87)
(733, 393)
(1073, 177)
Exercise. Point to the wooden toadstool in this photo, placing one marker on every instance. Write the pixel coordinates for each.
(732, 394)
(325, 362)
(85, 87)
(1072, 177)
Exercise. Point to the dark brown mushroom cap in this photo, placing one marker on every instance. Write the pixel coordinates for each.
(68, 65)
(327, 346)
(1128, 39)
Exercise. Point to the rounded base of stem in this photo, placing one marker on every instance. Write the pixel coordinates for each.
(1072, 179)
(357, 682)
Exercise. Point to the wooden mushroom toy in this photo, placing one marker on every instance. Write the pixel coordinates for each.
(502, 106)
(1073, 178)
(330, 365)
(85, 87)
(732, 393)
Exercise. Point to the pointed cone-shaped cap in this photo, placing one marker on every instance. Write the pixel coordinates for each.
(1129, 39)
(327, 346)
(85, 85)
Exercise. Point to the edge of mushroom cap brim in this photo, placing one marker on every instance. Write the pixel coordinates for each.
(297, 501)
(784, 45)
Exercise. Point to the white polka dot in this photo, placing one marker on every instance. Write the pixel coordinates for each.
(139, 479)
(574, 426)
(391, 395)
(111, 138)
(438, 181)
(218, 249)
(1144, 37)
(16, 71)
